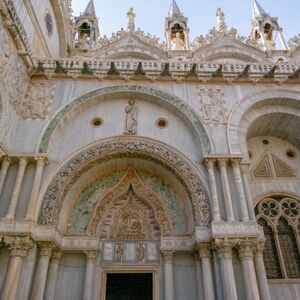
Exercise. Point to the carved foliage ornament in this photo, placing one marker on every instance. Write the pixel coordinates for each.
(108, 150)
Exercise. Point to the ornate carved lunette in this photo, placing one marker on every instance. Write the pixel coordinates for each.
(129, 148)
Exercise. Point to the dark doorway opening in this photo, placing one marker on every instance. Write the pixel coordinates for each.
(129, 286)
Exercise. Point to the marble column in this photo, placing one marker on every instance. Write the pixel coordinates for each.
(210, 164)
(222, 162)
(11, 212)
(246, 257)
(89, 274)
(224, 249)
(207, 273)
(41, 271)
(18, 247)
(263, 285)
(244, 168)
(169, 274)
(3, 172)
(52, 274)
(199, 276)
(240, 189)
(35, 187)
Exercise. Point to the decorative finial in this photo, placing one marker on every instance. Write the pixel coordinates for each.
(131, 20)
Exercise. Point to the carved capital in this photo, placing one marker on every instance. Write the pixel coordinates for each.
(204, 250)
(45, 248)
(91, 254)
(168, 256)
(222, 162)
(224, 249)
(23, 161)
(235, 161)
(246, 249)
(18, 246)
(209, 162)
(56, 254)
(41, 160)
(259, 247)
(6, 160)
(244, 168)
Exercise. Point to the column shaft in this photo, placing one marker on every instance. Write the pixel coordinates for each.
(4, 168)
(199, 277)
(226, 191)
(41, 272)
(213, 189)
(89, 274)
(225, 255)
(168, 275)
(263, 285)
(240, 189)
(52, 275)
(207, 273)
(248, 193)
(17, 188)
(246, 256)
(35, 188)
(18, 250)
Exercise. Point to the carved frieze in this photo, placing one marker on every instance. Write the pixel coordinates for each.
(213, 109)
(37, 102)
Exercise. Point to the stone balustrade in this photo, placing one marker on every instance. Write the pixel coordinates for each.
(156, 70)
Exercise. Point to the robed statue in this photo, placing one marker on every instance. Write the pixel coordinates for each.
(131, 117)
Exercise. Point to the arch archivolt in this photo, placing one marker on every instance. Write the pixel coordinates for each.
(238, 122)
(130, 195)
(130, 90)
(54, 192)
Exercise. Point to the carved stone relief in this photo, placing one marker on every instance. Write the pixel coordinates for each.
(107, 150)
(131, 121)
(37, 103)
(213, 108)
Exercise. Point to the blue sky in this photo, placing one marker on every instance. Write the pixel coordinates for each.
(201, 14)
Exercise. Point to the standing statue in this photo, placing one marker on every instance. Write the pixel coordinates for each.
(131, 117)
(221, 24)
(177, 42)
(131, 20)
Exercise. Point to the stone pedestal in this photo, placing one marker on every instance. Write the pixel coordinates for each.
(169, 275)
(18, 247)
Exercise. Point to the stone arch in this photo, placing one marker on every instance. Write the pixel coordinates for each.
(178, 104)
(54, 189)
(238, 123)
(130, 181)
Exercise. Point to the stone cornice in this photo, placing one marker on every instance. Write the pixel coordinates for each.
(18, 33)
(177, 71)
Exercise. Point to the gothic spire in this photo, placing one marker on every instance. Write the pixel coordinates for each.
(90, 10)
(174, 10)
(258, 11)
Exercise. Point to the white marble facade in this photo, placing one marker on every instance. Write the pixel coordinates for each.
(125, 154)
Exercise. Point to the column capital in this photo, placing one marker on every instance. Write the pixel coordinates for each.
(259, 247)
(222, 162)
(23, 161)
(224, 249)
(204, 250)
(41, 160)
(91, 254)
(209, 162)
(235, 161)
(18, 245)
(56, 254)
(244, 167)
(7, 160)
(46, 248)
(168, 255)
(245, 249)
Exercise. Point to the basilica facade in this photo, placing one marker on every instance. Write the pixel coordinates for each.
(134, 168)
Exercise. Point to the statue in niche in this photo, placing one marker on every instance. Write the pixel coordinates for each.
(119, 253)
(131, 117)
(140, 252)
(177, 42)
(83, 42)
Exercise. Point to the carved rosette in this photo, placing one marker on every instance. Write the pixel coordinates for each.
(107, 150)
(18, 246)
